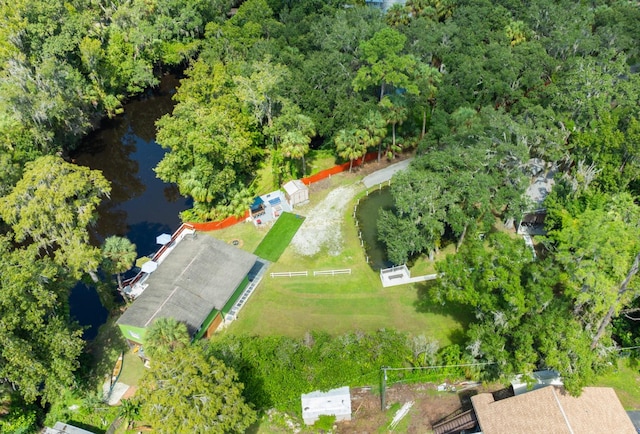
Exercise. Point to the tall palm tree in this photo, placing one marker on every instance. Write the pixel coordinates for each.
(294, 130)
(119, 255)
(350, 145)
(164, 336)
(376, 128)
(294, 145)
(395, 112)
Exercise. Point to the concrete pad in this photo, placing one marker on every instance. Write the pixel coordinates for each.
(385, 174)
(116, 394)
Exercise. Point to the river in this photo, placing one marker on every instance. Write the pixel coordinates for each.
(140, 206)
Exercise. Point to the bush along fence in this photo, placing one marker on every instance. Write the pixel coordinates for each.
(327, 173)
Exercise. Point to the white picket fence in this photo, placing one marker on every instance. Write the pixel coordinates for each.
(332, 272)
(315, 273)
(290, 274)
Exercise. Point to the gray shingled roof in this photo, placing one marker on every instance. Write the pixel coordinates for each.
(198, 276)
(540, 188)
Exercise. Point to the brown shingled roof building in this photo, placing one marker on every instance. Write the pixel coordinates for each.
(551, 410)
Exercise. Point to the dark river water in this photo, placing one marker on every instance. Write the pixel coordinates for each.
(367, 215)
(141, 206)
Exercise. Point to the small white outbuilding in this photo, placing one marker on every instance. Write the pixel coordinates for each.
(297, 192)
(335, 402)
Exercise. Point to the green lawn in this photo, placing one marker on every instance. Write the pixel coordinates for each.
(106, 349)
(316, 161)
(626, 381)
(342, 303)
(246, 233)
(279, 237)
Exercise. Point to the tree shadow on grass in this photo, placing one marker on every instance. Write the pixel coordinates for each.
(85, 426)
(318, 160)
(463, 314)
(101, 355)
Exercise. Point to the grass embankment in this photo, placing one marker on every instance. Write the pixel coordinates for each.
(316, 161)
(342, 303)
(626, 382)
(279, 237)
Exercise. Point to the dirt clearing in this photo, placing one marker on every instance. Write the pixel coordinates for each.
(429, 407)
(321, 228)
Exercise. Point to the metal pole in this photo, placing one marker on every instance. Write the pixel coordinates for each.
(383, 396)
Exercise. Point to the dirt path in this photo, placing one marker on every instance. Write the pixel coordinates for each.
(428, 408)
(321, 228)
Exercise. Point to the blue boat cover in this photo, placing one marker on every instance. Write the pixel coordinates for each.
(256, 205)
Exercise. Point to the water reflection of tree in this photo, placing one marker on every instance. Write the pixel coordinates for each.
(172, 194)
(111, 150)
(143, 116)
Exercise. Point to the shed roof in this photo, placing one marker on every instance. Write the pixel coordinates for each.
(198, 276)
(335, 402)
(552, 410)
(65, 428)
(538, 379)
(540, 187)
(294, 186)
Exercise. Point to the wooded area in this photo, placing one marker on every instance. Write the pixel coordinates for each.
(478, 88)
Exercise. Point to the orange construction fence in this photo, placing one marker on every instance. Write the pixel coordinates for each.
(230, 221)
(337, 169)
(220, 224)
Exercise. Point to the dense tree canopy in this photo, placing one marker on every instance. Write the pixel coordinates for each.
(38, 348)
(187, 390)
(63, 65)
(478, 87)
(460, 182)
(52, 206)
(214, 161)
(519, 318)
(596, 246)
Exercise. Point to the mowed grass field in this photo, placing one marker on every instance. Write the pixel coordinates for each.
(279, 236)
(341, 303)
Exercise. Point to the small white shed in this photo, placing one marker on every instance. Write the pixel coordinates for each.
(534, 381)
(335, 402)
(65, 428)
(297, 192)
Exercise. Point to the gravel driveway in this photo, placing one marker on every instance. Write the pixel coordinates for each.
(321, 228)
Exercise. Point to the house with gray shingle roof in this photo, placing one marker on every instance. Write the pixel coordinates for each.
(532, 221)
(197, 284)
